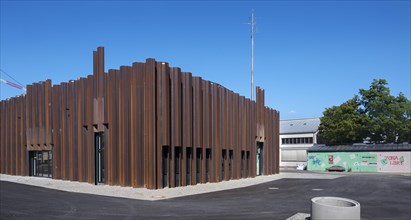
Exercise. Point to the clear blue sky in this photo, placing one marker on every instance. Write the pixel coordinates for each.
(309, 55)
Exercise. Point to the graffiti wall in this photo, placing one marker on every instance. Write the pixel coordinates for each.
(360, 161)
(394, 162)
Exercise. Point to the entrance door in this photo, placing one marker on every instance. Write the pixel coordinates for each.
(259, 159)
(99, 157)
(41, 163)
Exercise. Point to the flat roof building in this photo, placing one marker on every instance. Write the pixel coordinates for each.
(296, 136)
(145, 125)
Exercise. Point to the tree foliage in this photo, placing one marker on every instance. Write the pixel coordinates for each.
(374, 116)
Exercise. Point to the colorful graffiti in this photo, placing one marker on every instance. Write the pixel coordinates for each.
(351, 161)
(394, 162)
(361, 161)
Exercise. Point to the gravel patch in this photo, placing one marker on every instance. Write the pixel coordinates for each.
(159, 194)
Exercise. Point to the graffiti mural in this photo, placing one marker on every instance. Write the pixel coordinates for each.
(394, 162)
(351, 161)
(361, 161)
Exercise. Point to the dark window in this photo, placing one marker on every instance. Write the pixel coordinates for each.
(199, 156)
(207, 168)
(247, 167)
(177, 166)
(223, 158)
(230, 163)
(165, 161)
(188, 165)
(242, 164)
(303, 140)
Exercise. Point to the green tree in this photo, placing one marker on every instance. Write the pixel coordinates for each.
(387, 117)
(343, 124)
(375, 115)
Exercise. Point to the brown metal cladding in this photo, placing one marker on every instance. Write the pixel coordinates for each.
(12, 136)
(143, 110)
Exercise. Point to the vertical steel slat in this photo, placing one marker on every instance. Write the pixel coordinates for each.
(133, 127)
(141, 109)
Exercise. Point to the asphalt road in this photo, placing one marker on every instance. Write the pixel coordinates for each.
(382, 196)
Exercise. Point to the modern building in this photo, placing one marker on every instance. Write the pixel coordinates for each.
(361, 157)
(296, 136)
(145, 125)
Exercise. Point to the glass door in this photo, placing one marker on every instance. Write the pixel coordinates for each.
(41, 163)
(99, 157)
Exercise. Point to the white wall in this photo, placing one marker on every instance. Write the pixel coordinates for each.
(295, 149)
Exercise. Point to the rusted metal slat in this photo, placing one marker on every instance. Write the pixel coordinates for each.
(2, 136)
(133, 127)
(110, 133)
(18, 142)
(163, 117)
(55, 110)
(139, 71)
(13, 130)
(47, 105)
(24, 158)
(90, 131)
(216, 151)
(127, 97)
(149, 123)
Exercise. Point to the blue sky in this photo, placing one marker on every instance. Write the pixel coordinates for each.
(309, 55)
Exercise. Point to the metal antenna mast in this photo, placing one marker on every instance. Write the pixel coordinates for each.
(252, 54)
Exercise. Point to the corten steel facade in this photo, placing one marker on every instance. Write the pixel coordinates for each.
(145, 125)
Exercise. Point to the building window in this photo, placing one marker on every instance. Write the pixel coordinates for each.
(302, 140)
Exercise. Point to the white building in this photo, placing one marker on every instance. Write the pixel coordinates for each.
(296, 136)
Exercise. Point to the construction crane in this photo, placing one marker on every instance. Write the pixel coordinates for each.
(13, 84)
